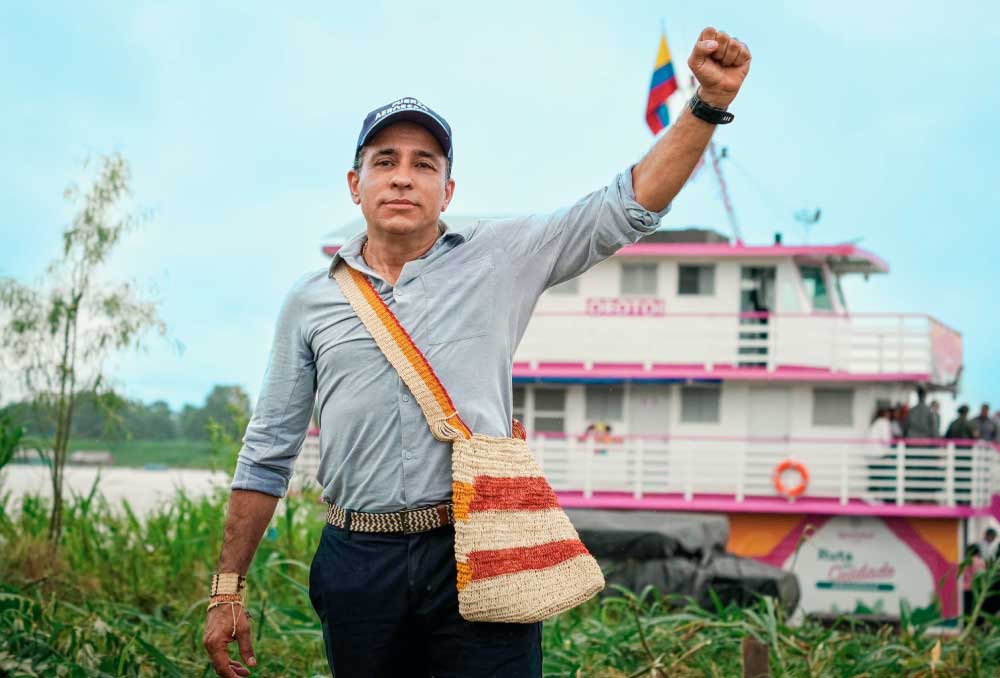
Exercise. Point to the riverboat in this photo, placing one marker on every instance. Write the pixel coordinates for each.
(694, 373)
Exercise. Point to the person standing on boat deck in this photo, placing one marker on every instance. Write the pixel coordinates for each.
(880, 430)
(961, 428)
(918, 428)
(985, 426)
(920, 420)
(896, 418)
(382, 582)
(879, 446)
(936, 418)
(988, 545)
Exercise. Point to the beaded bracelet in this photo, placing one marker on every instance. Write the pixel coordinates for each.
(225, 598)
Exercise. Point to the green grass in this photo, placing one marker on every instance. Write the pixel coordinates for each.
(138, 453)
(125, 597)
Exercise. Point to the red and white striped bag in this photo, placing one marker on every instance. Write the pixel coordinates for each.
(519, 559)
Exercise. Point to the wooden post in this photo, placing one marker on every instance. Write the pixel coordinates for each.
(755, 659)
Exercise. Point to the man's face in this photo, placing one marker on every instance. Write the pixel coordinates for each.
(401, 186)
(984, 411)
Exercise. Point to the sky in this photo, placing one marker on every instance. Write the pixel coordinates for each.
(239, 122)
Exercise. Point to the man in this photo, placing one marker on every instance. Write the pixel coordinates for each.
(936, 414)
(988, 545)
(920, 420)
(385, 592)
(984, 425)
(961, 428)
(918, 427)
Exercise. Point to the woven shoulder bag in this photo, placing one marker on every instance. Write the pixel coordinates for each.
(519, 559)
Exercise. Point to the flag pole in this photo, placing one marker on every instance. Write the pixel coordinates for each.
(663, 35)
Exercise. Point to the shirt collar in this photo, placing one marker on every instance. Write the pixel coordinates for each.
(351, 250)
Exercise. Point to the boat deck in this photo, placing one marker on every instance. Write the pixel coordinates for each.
(907, 478)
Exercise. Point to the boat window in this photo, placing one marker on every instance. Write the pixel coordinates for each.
(815, 284)
(833, 407)
(605, 402)
(700, 404)
(571, 286)
(638, 279)
(698, 280)
(550, 410)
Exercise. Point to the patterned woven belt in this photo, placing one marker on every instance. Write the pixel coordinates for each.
(407, 521)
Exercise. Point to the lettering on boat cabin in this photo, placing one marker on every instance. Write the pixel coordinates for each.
(625, 306)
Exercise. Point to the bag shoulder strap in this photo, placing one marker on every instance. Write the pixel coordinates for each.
(397, 346)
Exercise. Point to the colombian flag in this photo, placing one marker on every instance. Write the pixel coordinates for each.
(663, 84)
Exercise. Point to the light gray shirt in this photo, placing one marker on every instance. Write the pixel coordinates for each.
(466, 304)
(920, 423)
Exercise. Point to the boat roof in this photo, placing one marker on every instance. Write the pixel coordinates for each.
(683, 243)
(844, 258)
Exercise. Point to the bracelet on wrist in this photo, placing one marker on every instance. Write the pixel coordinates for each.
(228, 582)
(232, 600)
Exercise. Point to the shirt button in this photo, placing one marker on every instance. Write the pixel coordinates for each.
(406, 398)
(407, 455)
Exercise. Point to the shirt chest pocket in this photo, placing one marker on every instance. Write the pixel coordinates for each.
(459, 301)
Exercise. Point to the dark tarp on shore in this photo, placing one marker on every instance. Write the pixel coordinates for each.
(680, 554)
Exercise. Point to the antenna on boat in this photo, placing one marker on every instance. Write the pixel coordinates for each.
(716, 155)
(808, 219)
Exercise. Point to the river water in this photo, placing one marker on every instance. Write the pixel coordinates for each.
(144, 489)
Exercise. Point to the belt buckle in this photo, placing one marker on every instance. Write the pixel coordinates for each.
(404, 519)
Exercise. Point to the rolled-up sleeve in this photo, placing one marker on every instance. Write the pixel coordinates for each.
(567, 242)
(275, 433)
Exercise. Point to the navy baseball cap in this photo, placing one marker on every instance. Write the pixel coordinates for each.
(408, 109)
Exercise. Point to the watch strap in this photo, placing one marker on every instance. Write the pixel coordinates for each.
(710, 114)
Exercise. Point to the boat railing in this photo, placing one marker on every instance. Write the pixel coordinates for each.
(864, 343)
(734, 473)
(840, 471)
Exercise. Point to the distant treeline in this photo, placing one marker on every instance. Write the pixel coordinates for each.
(107, 416)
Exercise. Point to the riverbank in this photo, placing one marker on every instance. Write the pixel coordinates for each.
(127, 597)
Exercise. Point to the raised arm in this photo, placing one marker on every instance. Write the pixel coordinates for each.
(545, 249)
(719, 64)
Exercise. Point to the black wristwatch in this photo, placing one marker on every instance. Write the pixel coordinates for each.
(710, 114)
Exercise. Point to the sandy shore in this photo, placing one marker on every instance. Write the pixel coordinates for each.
(143, 489)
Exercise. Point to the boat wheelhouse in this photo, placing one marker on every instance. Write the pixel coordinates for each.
(690, 373)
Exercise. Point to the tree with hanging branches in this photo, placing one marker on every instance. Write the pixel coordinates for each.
(59, 332)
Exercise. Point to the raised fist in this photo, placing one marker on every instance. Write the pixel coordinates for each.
(719, 64)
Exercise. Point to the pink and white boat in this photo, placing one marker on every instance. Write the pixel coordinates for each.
(713, 364)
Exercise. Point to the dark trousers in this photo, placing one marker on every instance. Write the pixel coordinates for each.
(389, 608)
